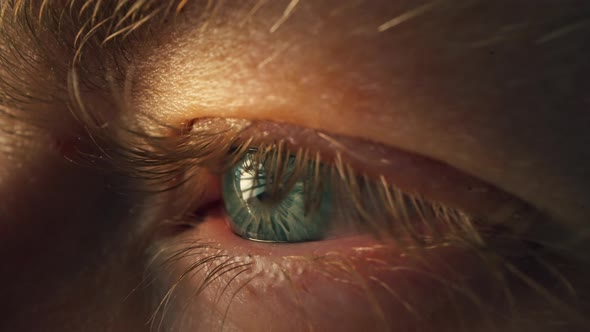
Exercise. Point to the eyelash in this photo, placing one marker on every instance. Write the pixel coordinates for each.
(360, 201)
(181, 158)
(365, 202)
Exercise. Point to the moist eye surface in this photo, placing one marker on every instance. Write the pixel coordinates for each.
(265, 204)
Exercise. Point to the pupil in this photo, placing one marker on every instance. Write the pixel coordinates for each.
(256, 213)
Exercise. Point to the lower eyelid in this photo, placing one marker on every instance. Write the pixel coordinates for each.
(217, 230)
(317, 281)
(304, 278)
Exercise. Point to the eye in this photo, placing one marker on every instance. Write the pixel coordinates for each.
(265, 204)
(278, 189)
(291, 225)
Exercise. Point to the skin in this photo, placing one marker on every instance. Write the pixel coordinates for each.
(496, 90)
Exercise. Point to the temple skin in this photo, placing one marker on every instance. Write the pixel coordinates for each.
(497, 89)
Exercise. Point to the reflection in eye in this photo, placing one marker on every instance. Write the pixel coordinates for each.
(270, 200)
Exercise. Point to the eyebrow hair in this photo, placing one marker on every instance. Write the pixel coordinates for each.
(88, 20)
(124, 14)
(45, 45)
(94, 36)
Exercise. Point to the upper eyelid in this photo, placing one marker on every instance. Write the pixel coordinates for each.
(411, 173)
(161, 152)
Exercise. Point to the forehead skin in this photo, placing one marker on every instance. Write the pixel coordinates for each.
(494, 88)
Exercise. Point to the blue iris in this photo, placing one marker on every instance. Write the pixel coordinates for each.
(255, 215)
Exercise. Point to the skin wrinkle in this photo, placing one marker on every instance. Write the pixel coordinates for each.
(134, 23)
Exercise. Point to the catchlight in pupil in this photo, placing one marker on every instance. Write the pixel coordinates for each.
(257, 214)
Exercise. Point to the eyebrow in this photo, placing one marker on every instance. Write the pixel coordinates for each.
(127, 11)
(42, 36)
(110, 21)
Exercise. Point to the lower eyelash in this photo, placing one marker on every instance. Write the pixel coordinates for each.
(507, 276)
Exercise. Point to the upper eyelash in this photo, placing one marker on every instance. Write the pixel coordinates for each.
(165, 163)
(159, 163)
(376, 202)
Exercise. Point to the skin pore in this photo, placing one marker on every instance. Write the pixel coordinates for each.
(493, 89)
